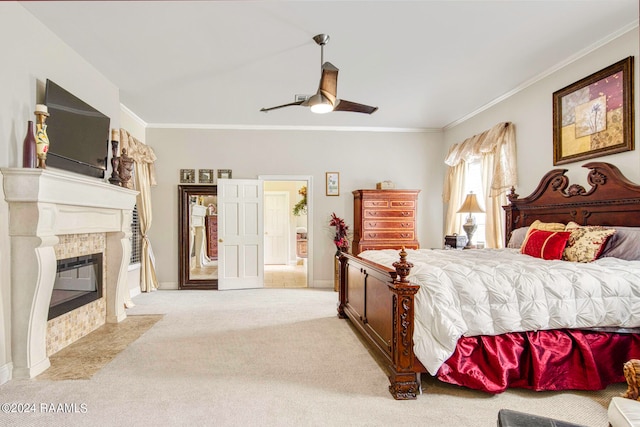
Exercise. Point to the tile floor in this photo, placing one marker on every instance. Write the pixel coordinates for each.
(285, 276)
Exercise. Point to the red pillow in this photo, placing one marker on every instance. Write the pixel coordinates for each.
(545, 244)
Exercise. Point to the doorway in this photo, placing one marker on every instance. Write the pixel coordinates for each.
(287, 234)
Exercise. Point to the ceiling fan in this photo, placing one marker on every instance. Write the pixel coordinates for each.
(325, 99)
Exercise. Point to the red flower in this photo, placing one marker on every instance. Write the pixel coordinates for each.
(340, 237)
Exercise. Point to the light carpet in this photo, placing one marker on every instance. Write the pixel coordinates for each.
(266, 357)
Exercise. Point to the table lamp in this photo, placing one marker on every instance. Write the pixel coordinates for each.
(470, 206)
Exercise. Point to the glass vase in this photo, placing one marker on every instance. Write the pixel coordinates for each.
(29, 159)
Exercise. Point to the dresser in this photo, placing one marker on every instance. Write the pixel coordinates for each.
(384, 219)
(211, 222)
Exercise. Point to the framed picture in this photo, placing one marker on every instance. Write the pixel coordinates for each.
(187, 176)
(205, 176)
(333, 183)
(224, 173)
(594, 116)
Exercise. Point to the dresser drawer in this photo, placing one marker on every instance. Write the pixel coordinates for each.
(403, 204)
(376, 203)
(390, 213)
(375, 246)
(389, 235)
(386, 225)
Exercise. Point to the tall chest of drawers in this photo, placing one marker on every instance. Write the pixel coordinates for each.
(211, 221)
(384, 219)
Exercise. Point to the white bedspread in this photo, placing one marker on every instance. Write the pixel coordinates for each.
(493, 291)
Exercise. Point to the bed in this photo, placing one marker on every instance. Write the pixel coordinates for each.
(384, 294)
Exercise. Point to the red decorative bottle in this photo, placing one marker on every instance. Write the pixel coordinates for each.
(29, 158)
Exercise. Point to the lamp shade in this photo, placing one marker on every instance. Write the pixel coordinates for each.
(470, 204)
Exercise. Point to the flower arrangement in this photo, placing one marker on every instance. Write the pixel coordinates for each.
(300, 208)
(341, 231)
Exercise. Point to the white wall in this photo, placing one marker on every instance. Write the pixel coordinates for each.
(133, 124)
(30, 55)
(531, 110)
(411, 160)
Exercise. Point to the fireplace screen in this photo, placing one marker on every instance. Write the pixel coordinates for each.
(78, 282)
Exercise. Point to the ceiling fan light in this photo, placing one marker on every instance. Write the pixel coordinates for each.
(319, 104)
(322, 108)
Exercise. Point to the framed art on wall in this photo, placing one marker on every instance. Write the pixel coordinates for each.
(333, 183)
(594, 116)
(205, 176)
(187, 176)
(224, 173)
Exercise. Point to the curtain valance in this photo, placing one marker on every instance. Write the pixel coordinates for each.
(139, 151)
(499, 140)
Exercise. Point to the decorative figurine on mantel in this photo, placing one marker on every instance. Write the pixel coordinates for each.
(125, 168)
(115, 164)
(42, 140)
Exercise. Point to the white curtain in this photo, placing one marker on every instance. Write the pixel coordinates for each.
(453, 197)
(496, 150)
(143, 179)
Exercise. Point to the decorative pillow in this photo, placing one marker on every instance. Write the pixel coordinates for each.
(545, 244)
(549, 226)
(586, 242)
(625, 244)
(517, 237)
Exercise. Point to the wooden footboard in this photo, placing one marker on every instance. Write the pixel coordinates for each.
(379, 301)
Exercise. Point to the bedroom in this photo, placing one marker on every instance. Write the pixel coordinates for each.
(41, 54)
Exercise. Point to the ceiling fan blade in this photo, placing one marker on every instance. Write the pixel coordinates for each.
(329, 82)
(264, 110)
(354, 107)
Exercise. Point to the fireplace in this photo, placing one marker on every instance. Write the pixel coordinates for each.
(78, 281)
(46, 207)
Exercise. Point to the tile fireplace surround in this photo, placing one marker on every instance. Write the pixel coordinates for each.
(45, 204)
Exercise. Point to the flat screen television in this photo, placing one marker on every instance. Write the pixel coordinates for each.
(78, 133)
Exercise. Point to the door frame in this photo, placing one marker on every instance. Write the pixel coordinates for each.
(309, 180)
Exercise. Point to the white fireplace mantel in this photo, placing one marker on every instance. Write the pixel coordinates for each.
(44, 204)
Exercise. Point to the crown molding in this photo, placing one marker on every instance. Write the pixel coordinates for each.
(290, 128)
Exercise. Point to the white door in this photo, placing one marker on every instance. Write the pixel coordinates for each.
(240, 234)
(276, 227)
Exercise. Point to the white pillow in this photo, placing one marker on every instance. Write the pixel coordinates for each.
(517, 237)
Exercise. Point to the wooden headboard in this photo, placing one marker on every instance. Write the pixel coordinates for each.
(611, 200)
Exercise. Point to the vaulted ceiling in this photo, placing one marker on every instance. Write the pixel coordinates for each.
(425, 64)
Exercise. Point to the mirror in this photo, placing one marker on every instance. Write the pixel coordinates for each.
(198, 237)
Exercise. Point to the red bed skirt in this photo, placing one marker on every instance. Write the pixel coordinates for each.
(543, 360)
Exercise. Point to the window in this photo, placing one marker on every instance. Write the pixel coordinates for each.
(136, 238)
(473, 183)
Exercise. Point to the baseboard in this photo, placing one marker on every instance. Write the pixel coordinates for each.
(168, 286)
(5, 372)
(322, 284)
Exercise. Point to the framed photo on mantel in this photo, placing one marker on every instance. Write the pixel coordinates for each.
(593, 117)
